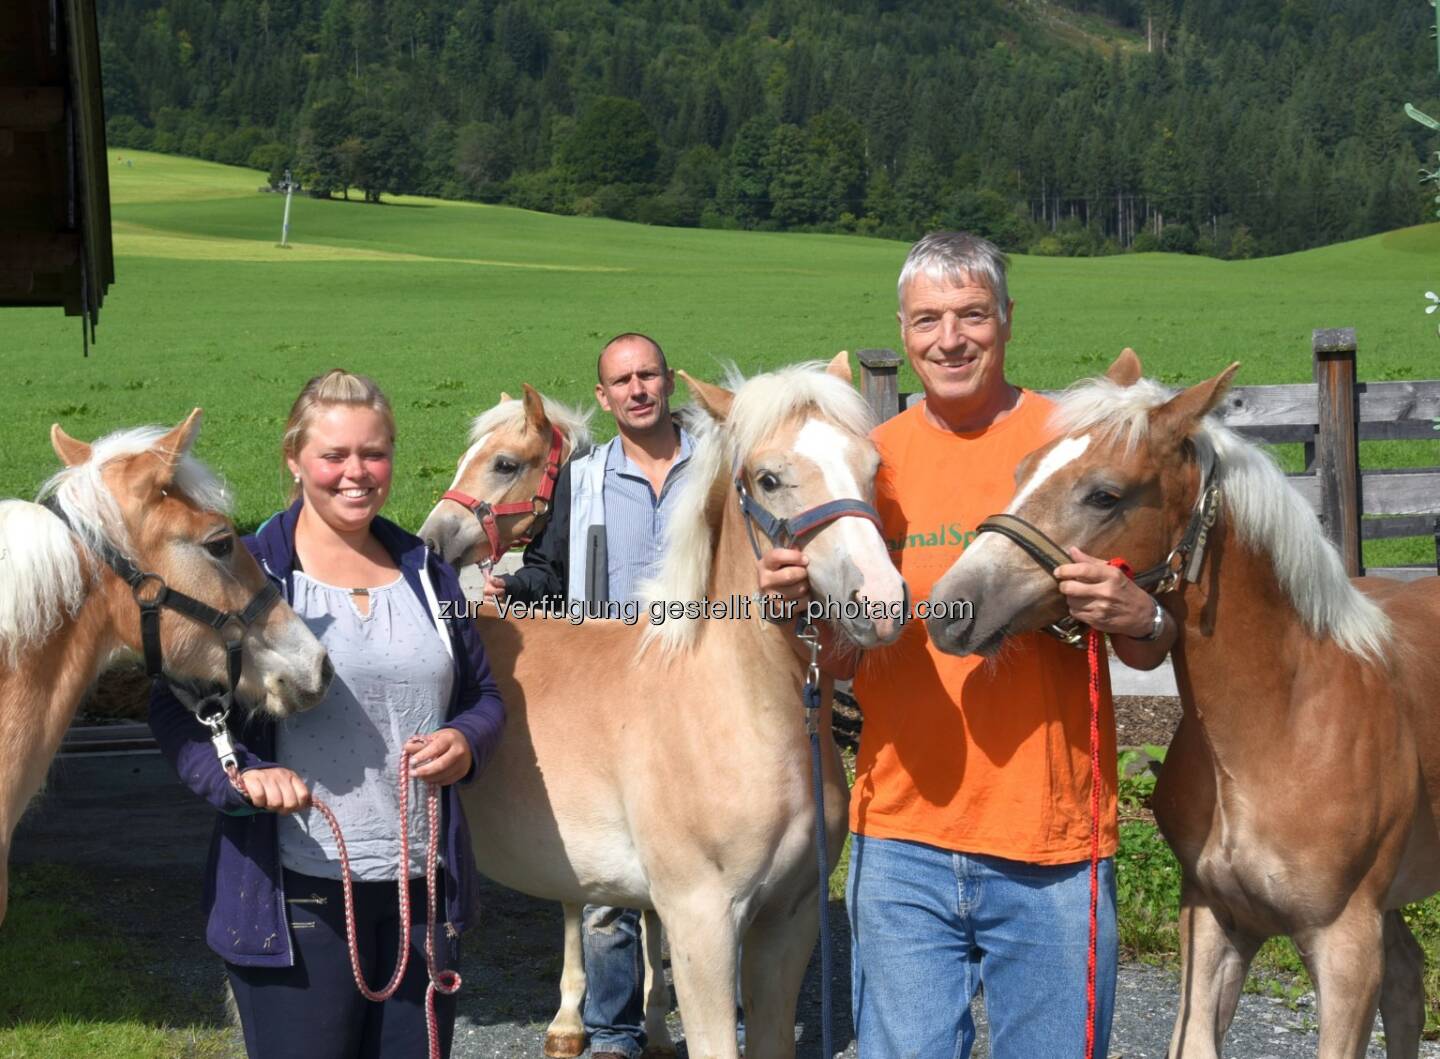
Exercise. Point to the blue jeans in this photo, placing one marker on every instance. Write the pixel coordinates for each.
(930, 926)
(614, 979)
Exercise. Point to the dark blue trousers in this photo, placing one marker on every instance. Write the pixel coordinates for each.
(313, 1010)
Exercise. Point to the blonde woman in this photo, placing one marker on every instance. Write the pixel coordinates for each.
(406, 682)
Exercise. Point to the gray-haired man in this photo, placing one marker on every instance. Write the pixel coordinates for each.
(970, 809)
(603, 538)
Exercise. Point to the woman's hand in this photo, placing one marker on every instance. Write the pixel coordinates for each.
(276, 789)
(441, 758)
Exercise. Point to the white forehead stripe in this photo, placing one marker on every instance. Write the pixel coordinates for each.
(1065, 452)
(828, 446)
(465, 460)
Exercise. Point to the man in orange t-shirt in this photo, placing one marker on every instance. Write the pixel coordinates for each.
(970, 809)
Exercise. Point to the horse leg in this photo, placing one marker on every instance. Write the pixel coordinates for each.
(565, 1036)
(1213, 962)
(703, 940)
(1345, 961)
(774, 957)
(658, 1044)
(1402, 991)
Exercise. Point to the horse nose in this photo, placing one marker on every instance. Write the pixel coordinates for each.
(950, 627)
(327, 673)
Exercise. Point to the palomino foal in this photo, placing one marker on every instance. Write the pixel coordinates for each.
(665, 766)
(1302, 789)
(64, 612)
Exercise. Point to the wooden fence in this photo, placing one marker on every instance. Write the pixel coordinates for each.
(1329, 417)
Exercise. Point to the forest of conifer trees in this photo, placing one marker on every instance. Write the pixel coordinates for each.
(1234, 128)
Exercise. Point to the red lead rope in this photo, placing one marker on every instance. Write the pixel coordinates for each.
(1094, 640)
(1094, 648)
(441, 981)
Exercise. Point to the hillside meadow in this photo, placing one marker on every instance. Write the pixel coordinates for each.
(449, 303)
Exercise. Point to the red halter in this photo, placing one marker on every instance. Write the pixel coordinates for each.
(538, 505)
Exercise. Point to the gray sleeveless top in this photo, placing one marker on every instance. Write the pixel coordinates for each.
(393, 679)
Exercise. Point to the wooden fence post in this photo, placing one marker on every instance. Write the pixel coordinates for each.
(1337, 450)
(880, 381)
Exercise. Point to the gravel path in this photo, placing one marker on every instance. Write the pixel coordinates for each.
(125, 822)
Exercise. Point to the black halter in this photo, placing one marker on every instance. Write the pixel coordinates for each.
(782, 531)
(1183, 562)
(152, 594)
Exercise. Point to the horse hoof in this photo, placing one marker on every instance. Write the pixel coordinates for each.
(656, 1051)
(564, 1045)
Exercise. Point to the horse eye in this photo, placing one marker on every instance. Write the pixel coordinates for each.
(221, 547)
(1102, 499)
(505, 465)
(767, 481)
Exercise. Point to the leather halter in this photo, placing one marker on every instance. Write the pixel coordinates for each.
(1182, 564)
(152, 594)
(538, 505)
(782, 531)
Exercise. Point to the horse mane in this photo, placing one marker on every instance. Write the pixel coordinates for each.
(44, 580)
(1267, 514)
(762, 405)
(572, 423)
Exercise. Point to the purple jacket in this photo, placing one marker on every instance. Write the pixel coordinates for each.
(244, 896)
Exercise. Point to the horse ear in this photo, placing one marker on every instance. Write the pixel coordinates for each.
(1178, 417)
(1126, 370)
(714, 399)
(170, 450)
(173, 447)
(72, 453)
(535, 410)
(505, 397)
(839, 367)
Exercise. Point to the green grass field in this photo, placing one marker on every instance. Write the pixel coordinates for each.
(449, 303)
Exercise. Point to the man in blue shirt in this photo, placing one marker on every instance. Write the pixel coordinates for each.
(603, 538)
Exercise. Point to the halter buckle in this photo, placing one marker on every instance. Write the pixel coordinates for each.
(1068, 631)
(138, 585)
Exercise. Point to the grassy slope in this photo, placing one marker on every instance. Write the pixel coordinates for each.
(449, 303)
(73, 988)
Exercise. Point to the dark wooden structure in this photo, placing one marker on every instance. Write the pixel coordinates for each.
(1329, 417)
(55, 246)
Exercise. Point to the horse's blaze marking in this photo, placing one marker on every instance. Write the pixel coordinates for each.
(828, 448)
(1067, 451)
(470, 454)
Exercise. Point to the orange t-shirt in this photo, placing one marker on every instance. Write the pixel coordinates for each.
(969, 755)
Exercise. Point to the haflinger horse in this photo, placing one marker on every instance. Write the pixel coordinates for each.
(1302, 789)
(659, 760)
(503, 484)
(132, 521)
(500, 497)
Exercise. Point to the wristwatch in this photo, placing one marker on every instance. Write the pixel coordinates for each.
(1157, 626)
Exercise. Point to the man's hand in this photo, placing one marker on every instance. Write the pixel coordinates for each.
(277, 789)
(441, 758)
(781, 572)
(1103, 597)
(495, 588)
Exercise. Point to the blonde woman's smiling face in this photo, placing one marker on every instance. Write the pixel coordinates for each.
(345, 465)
